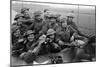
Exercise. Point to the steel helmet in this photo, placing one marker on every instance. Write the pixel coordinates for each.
(50, 31)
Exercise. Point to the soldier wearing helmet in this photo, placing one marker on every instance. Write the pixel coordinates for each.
(70, 17)
(23, 15)
(30, 38)
(72, 24)
(18, 26)
(25, 12)
(38, 22)
(18, 43)
(51, 44)
(26, 19)
(46, 13)
(63, 33)
(50, 23)
(19, 18)
(23, 19)
(38, 15)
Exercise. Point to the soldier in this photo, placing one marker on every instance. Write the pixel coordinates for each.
(70, 22)
(70, 17)
(37, 25)
(30, 39)
(51, 41)
(58, 19)
(17, 27)
(17, 18)
(19, 24)
(18, 35)
(33, 52)
(26, 20)
(25, 12)
(51, 23)
(15, 35)
(18, 44)
(46, 13)
(63, 32)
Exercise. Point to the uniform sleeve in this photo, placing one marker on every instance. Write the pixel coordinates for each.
(44, 28)
(73, 23)
(25, 21)
(32, 25)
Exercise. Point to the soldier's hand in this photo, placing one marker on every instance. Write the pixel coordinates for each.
(61, 42)
(72, 38)
(22, 55)
(56, 45)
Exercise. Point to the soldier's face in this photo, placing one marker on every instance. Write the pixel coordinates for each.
(26, 12)
(69, 18)
(31, 37)
(17, 33)
(19, 23)
(39, 17)
(64, 24)
(20, 18)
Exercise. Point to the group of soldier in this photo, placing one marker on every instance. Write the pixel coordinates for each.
(44, 33)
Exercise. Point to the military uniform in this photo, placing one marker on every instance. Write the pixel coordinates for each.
(37, 23)
(64, 33)
(24, 13)
(29, 42)
(52, 44)
(19, 18)
(25, 19)
(18, 47)
(72, 24)
(48, 24)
